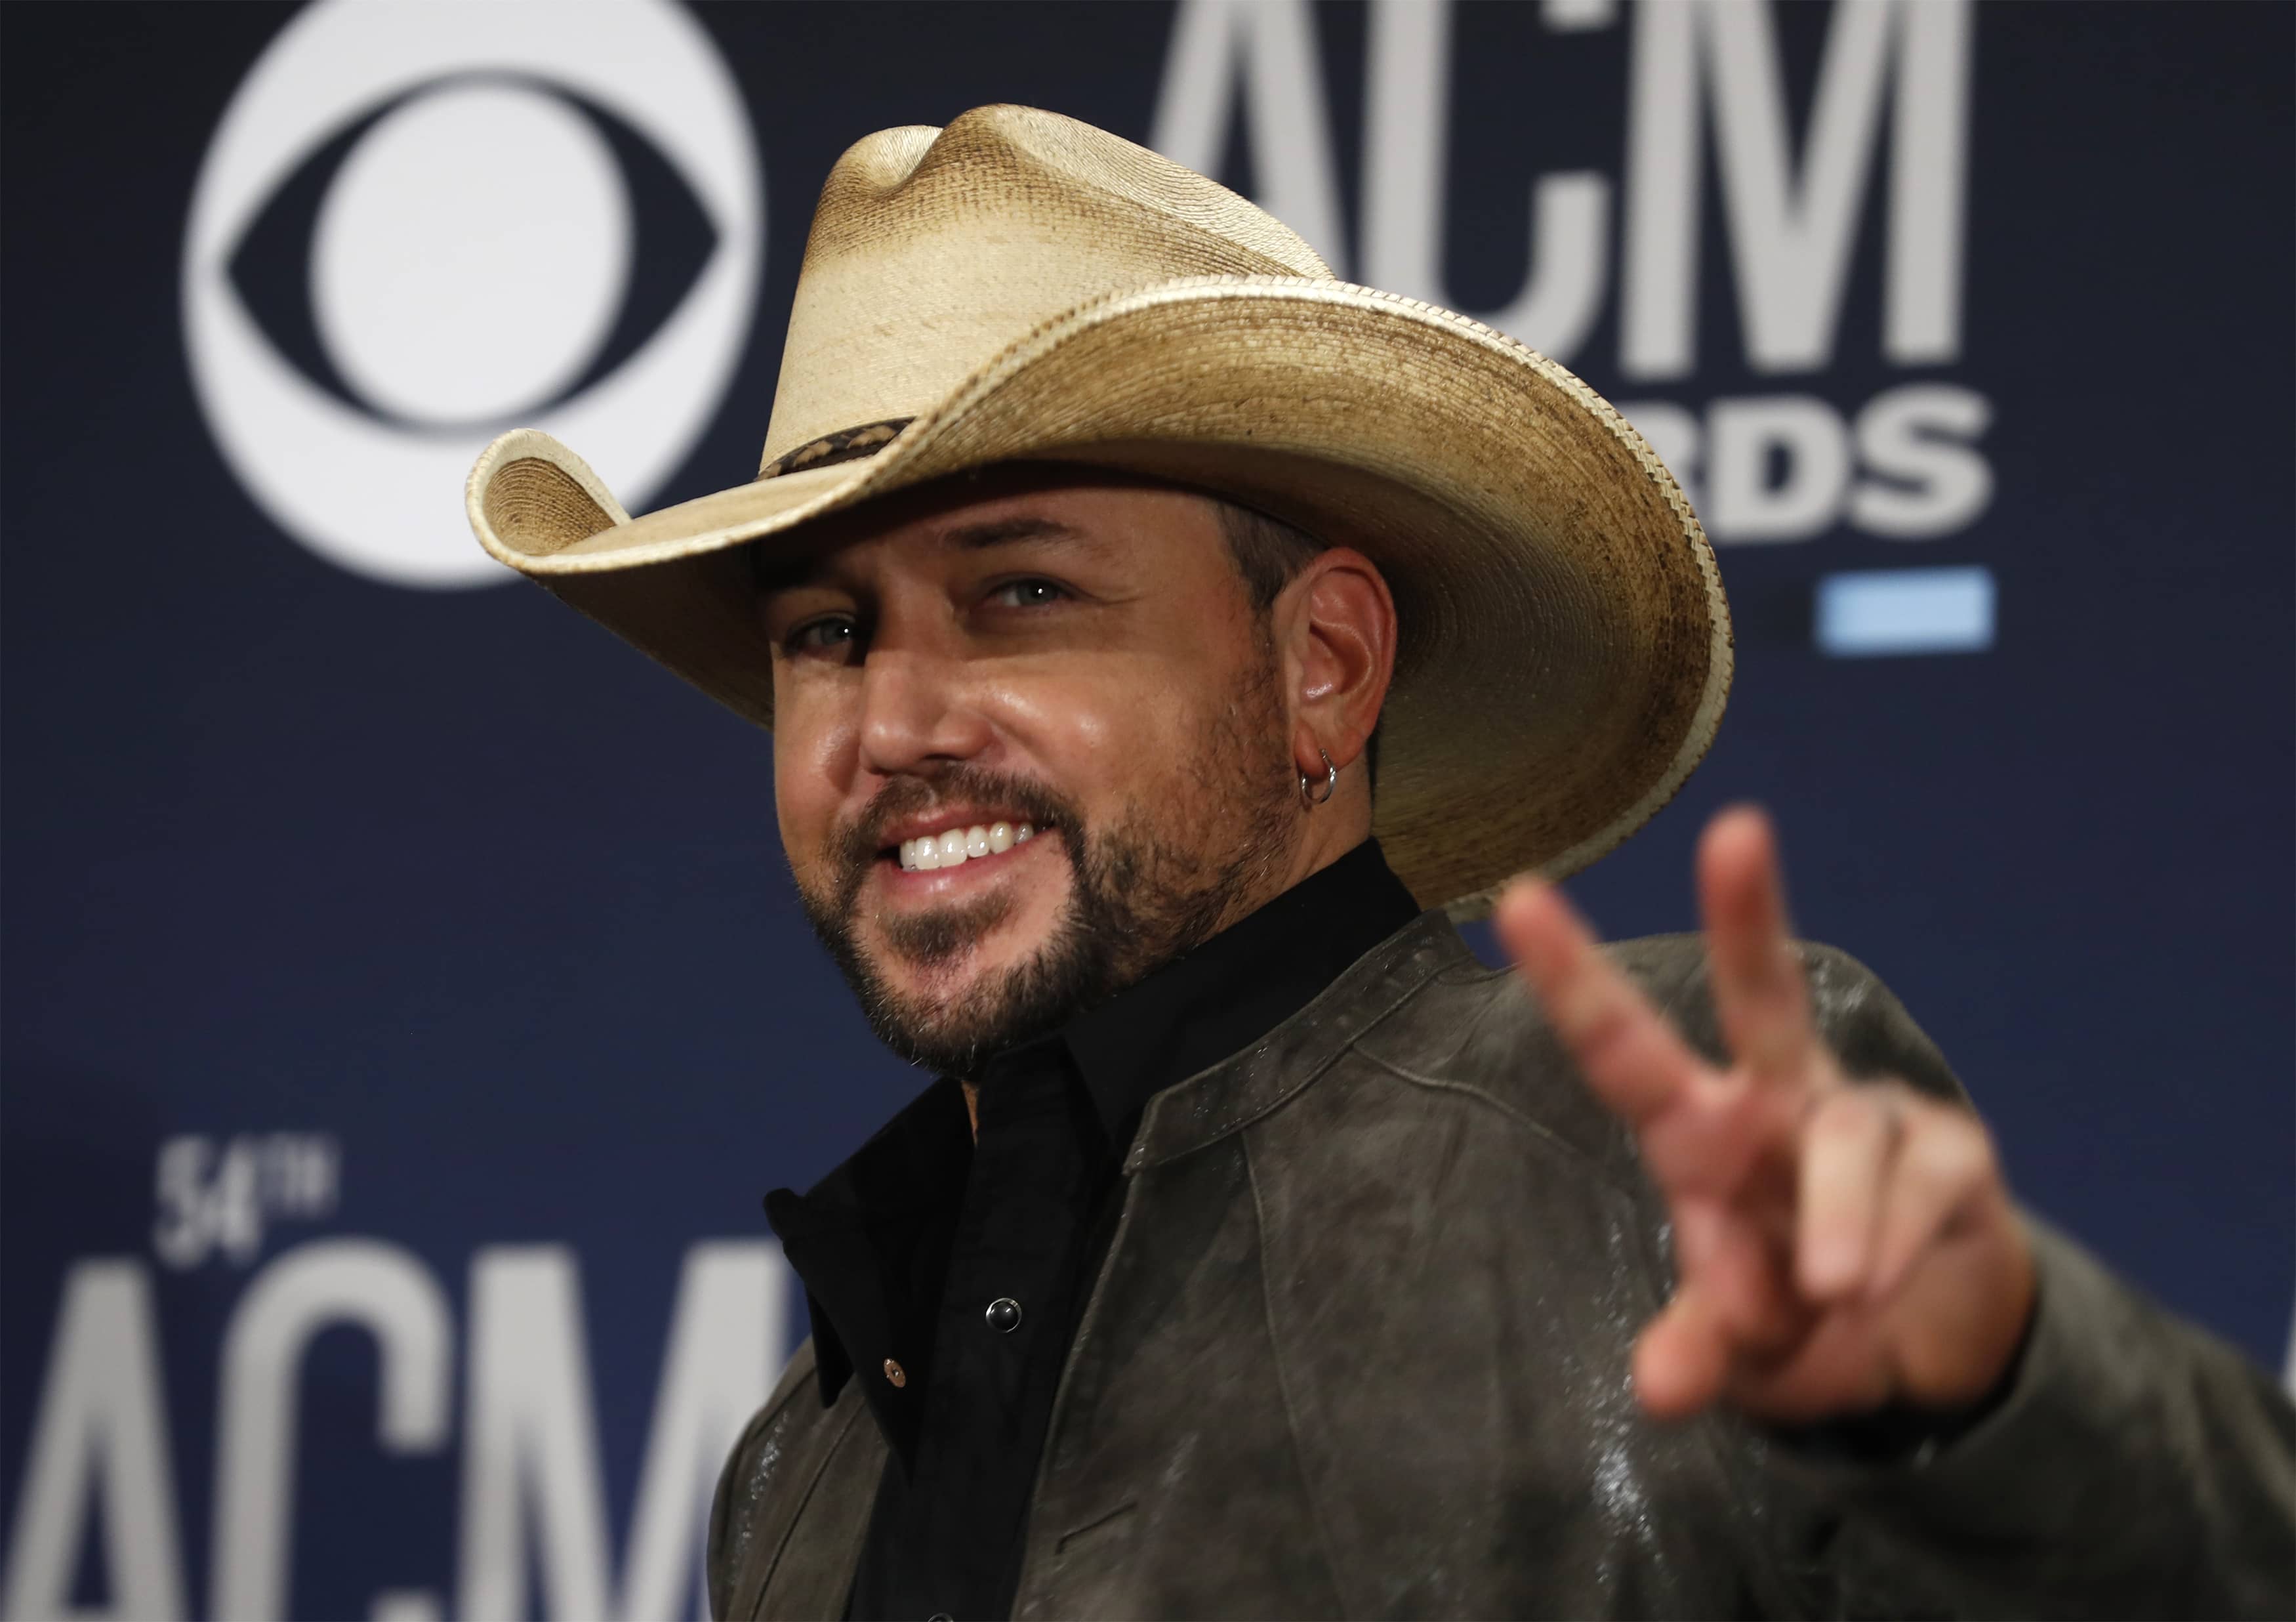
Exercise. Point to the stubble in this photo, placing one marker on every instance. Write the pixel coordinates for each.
(1153, 884)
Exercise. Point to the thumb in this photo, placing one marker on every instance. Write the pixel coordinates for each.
(1683, 1357)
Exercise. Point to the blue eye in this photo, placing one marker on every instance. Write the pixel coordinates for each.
(832, 637)
(1027, 594)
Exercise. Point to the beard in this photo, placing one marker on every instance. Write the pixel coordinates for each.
(1142, 891)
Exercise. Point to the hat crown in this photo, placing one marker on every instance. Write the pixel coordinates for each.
(932, 251)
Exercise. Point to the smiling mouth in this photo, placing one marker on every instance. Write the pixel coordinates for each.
(954, 846)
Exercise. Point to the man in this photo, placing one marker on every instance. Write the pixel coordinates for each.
(1112, 576)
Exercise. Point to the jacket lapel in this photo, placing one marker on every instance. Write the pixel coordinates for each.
(817, 1544)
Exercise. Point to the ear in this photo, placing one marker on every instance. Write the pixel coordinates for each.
(1339, 619)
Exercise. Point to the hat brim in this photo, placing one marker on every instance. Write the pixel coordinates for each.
(1565, 650)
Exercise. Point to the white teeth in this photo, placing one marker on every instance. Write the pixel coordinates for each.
(929, 851)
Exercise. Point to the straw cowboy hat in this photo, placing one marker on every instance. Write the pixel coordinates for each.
(1021, 285)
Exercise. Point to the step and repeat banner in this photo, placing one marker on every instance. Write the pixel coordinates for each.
(405, 1003)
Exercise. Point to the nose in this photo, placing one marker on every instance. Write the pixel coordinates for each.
(915, 714)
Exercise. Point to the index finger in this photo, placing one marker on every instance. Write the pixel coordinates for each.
(1631, 1056)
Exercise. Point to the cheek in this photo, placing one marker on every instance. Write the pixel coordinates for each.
(809, 787)
(1109, 732)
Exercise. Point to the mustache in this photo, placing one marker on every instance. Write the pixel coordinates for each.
(854, 847)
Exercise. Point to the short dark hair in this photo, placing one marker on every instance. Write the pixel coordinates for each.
(1268, 552)
(1269, 555)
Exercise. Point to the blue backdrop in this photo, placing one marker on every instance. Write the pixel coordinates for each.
(405, 1001)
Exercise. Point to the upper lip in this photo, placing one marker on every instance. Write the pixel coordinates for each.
(903, 829)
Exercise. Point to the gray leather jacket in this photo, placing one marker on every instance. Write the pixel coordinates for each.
(1359, 1349)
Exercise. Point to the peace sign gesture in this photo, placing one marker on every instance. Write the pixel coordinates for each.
(1839, 1247)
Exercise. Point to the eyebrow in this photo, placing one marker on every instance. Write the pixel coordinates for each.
(784, 575)
(996, 531)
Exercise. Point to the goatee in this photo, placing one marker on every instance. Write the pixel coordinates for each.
(1138, 897)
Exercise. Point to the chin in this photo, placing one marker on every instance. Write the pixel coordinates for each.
(976, 967)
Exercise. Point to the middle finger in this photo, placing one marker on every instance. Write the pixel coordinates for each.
(1760, 996)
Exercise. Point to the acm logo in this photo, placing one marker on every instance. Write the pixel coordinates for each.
(417, 224)
(98, 1495)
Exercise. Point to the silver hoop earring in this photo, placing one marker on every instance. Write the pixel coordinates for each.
(1331, 784)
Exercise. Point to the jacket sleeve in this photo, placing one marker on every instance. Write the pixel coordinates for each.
(2135, 1466)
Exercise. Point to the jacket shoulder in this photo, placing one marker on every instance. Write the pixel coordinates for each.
(1860, 1018)
(1481, 1031)
(752, 1471)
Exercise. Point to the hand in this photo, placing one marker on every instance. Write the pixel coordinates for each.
(1838, 1246)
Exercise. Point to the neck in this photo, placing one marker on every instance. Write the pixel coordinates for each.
(1329, 832)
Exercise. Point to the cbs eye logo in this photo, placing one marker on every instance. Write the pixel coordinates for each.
(420, 224)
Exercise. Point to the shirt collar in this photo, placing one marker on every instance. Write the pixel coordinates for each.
(1188, 1015)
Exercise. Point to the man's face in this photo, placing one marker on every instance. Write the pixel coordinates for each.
(1077, 655)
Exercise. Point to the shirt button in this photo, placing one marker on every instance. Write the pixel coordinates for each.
(896, 1374)
(1004, 1314)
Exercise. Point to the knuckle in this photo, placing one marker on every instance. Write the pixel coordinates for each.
(1850, 1115)
(1950, 1150)
(1601, 1030)
(1845, 1115)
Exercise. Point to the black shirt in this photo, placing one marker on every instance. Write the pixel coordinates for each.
(947, 1274)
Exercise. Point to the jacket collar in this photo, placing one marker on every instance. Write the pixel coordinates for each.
(1241, 1089)
(1229, 992)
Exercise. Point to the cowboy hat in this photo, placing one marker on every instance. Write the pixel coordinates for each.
(1019, 285)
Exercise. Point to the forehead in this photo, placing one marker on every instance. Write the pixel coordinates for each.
(1115, 514)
